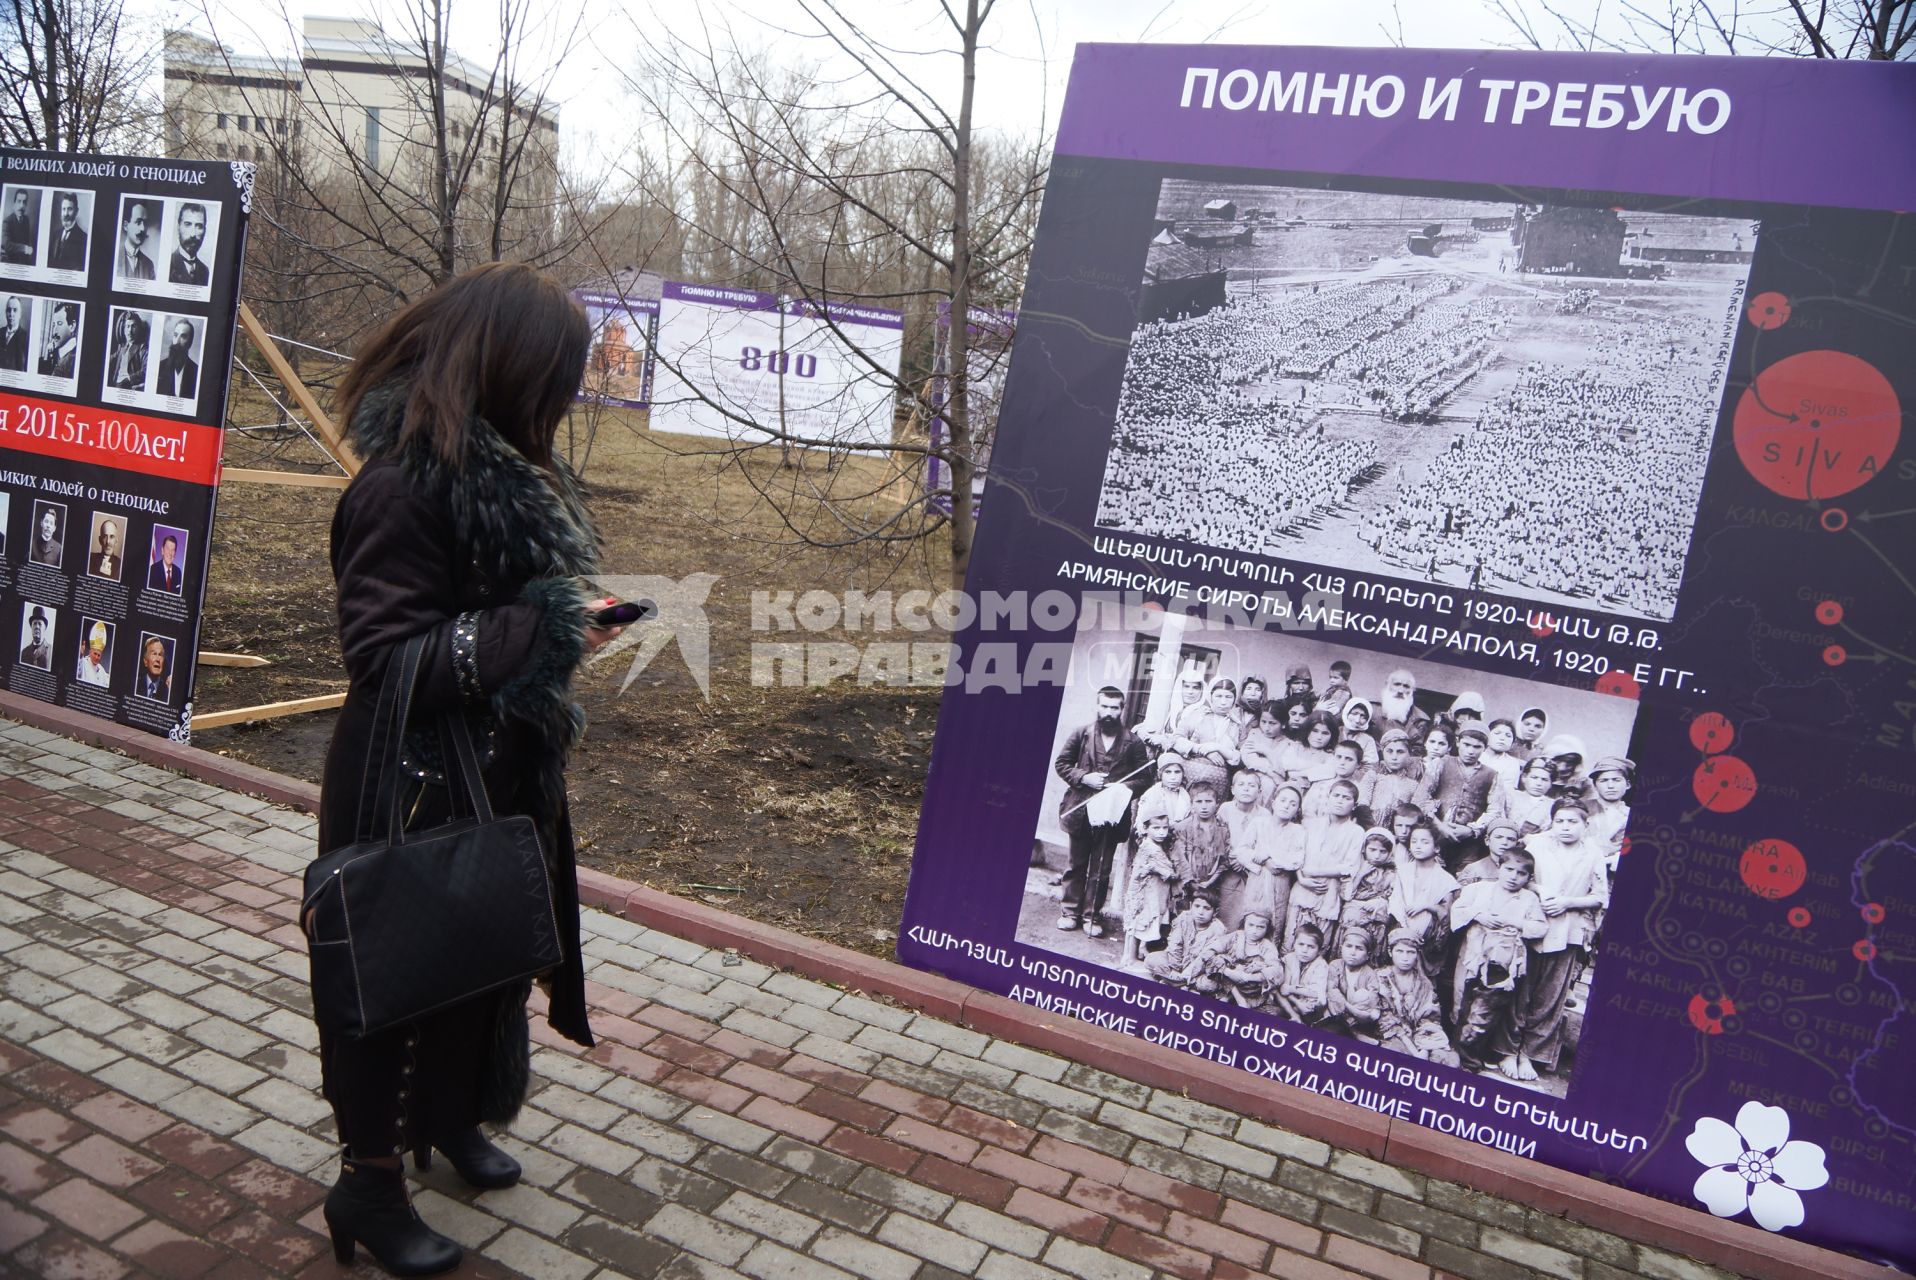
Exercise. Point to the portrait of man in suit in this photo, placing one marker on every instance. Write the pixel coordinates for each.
(164, 573)
(48, 548)
(106, 560)
(179, 373)
(38, 650)
(189, 234)
(20, 228)
(126, 359)
(139, 219)
(154, 682)
(62, 348)
(67, 250)
(13, 338)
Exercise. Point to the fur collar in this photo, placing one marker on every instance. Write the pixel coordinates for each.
(519, 520)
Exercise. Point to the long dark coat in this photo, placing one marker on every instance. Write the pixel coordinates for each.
(484, 558)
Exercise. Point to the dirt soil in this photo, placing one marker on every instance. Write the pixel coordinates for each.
(796, 806)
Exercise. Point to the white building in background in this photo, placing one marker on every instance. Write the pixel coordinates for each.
(355, 94)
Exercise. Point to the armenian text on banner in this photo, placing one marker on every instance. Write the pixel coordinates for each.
(1444, 635)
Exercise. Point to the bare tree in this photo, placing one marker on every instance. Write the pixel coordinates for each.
(73, 77)
(868, 183)
(1884, 30)
(402, 162)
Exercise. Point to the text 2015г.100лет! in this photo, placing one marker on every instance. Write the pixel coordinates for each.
(114, 435)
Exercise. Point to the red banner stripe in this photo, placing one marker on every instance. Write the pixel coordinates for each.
(111, 437)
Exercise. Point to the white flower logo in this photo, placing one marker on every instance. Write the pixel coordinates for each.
(1755, 1166)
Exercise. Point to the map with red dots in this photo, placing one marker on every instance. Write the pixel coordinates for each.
(1586, 450)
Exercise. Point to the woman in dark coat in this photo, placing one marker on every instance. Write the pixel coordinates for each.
(464, 526)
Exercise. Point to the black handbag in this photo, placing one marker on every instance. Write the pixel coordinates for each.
(403, 924)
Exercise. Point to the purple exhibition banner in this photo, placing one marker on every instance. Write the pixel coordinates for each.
(988, 356)
(1445, 634)
(625, 331)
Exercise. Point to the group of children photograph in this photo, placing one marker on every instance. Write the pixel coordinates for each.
(1430, 882)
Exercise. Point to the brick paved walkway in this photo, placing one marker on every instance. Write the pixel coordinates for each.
(159, 1114)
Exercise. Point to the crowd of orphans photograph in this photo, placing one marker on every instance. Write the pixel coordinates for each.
(1434, 883)
(1497, 397)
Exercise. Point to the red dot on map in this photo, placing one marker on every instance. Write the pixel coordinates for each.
(1835, 655)
(1624, 848)
(1712, 732)
(1829, 613)
(1543, 626)
(1769, 310)
(1799, 917)
(1873, 912)
(1817, 424)
(1723, 784)
(1834, 520)
(1707, 1015)
(1619, 684)
(1864, 950)
(1773, 869)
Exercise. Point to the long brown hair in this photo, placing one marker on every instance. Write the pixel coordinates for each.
(502, 341)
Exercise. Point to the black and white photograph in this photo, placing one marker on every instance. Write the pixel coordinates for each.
(174, 380)
(1411, 854)
(36, 635)
(46, 543)
(106, 550)
(1516, 398)
(130, 339)
(166, 560)
(137, 237)
(166, 247)
(20, 217)
(65, 259)
(153, 679)
(6, 522)
(190, 243)
(94, 663)
(56, 365)
(17, 356)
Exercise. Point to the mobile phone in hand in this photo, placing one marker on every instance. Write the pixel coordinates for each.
(623, 613)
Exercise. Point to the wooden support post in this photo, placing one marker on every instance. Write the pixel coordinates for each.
(267, 711)
(298, 479)
(284, 372)
(335, 444)
(210, 659)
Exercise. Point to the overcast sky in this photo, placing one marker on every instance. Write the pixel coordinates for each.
(1021, 78)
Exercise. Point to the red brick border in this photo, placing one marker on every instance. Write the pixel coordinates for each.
(1639, 1217)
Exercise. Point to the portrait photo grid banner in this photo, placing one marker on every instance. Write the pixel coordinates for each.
(749, 367)
(119, 290)
(1445, 637)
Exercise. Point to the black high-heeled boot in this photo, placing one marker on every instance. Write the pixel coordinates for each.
(473, 1157)
(368, 1206)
